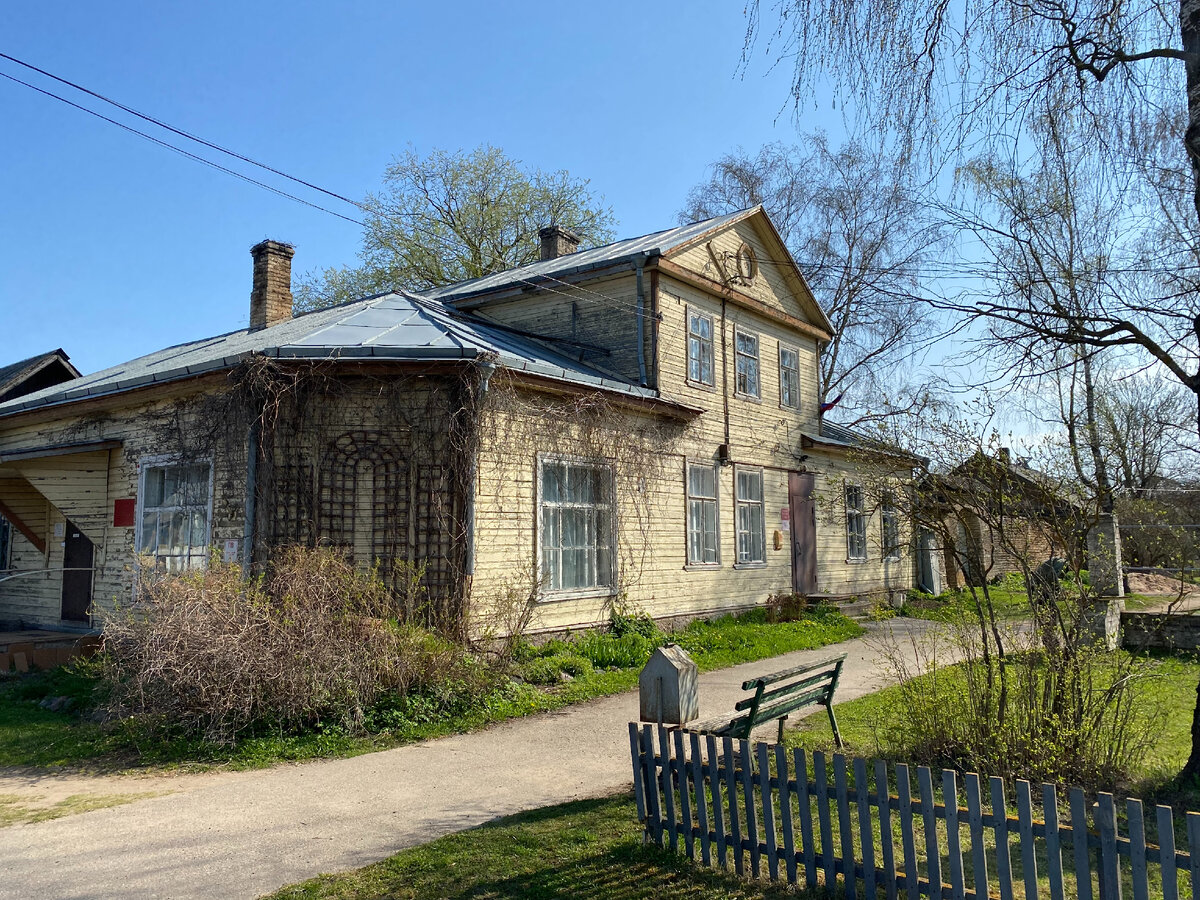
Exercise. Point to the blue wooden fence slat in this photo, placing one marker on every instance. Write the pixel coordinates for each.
(953, 835)
(1079, 845)
(701, 800)
(975, 823)
(1166, 853)
(866, 837)
(714, 783)
(806, 830)
(933, 856)
(1025, 826)
(785, 812)
(1054, 869)
(1000, 827)
(711, 784)
(845, 832)
(887, 849)
(768, 811)
(821, 785)
(735, 840)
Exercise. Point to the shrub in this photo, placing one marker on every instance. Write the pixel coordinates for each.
(789, 607)
(608, 651)
(214, 655)
(621, 624)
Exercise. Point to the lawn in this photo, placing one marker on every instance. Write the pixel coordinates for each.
(544, 678)
(586, 850)
(1169, 688)
(1008, 596)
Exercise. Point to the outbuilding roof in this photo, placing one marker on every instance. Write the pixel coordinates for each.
(27, 375)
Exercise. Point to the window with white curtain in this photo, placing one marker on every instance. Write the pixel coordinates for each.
(748, 508)
(576, 520)
(175, 510)
(704, 547)
(789, 377)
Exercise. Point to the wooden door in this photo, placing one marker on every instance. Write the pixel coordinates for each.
(77, 579)
(804, 531)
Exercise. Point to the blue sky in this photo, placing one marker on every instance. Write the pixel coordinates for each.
(111, 247)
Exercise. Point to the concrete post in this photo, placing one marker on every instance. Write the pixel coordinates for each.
(1106, 578)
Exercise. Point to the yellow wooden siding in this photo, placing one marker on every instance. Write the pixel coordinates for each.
(37, 599)
(602, 313)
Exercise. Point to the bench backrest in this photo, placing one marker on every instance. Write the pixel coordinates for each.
(811, 685)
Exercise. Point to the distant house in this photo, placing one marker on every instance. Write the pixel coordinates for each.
(16, 380)
(996, 515)
(635, 424)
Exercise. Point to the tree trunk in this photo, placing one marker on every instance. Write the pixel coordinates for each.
(1189, 32)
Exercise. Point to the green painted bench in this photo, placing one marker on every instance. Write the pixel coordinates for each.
(778, 695)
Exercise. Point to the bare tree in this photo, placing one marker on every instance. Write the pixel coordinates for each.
(856, 225)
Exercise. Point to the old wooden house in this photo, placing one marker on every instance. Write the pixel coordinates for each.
(630, 424)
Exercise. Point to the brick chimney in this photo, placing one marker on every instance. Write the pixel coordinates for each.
(271, 292)
(557, 241)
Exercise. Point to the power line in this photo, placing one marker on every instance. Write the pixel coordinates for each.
(180, 150)
(184, 134)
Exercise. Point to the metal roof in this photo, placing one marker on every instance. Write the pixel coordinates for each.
(396, 326)
(582, 260)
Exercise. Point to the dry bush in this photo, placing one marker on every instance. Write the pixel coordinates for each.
(212, 654)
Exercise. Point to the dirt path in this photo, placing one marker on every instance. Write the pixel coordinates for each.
(241, 834)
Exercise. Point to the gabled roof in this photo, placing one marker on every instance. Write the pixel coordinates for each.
(533, 274)
(35, 373)
(395, 326)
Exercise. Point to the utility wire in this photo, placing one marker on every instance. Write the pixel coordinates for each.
(180, 150)
(184, 134)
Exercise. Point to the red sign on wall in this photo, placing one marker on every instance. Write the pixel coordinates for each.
(124, 513)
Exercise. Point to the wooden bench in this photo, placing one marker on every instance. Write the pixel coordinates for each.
(789, 691)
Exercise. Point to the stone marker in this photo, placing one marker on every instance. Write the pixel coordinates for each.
(669, 690)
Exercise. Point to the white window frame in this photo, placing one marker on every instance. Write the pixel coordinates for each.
(889, 521)
(166, 462)
(738, 355)
(856, 523)
(715, 500)
(604, 590)
(691, 311)
(738, 504)
(788, 348)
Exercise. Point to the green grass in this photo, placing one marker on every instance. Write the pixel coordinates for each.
(866, 725)
(586, 850)
(1008, 599)
(32, 736)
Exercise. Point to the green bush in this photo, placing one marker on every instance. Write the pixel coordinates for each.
(611, 651)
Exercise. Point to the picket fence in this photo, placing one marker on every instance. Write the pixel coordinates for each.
(726, 800)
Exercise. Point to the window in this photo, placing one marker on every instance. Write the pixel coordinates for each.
(746, 350)
(576, 524)
(751, 541)
(175, 514)
(891, 527)
(789, 377)
(856, 523)
(700, 348)
(703, 539)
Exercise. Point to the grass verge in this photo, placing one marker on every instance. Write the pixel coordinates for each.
(583, 850)
(595, 666)
(1169, 687)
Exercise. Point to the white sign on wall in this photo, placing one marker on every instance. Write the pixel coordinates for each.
(231, 551)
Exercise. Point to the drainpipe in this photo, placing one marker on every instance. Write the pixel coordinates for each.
(252, 448)
(486, 370)
(639, 263)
